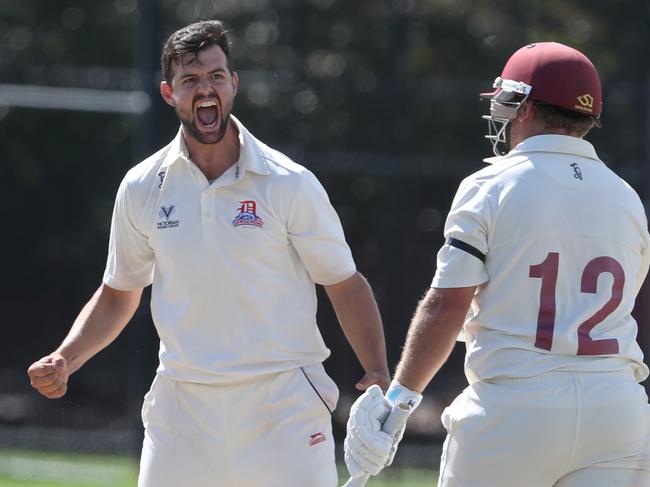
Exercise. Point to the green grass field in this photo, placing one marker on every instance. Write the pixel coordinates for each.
(399, 478)
(46, 469)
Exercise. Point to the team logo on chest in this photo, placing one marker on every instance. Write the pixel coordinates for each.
(165, 215)
(247, 215)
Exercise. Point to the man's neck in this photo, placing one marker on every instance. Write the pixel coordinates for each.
(214, 159)
(521, 132)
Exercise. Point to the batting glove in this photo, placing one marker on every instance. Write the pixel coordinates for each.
(366, 447)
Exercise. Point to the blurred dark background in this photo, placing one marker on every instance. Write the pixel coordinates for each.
(378, 98)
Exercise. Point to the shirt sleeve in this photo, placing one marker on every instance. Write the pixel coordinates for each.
(315, 232)
(645, 255)
(467, 223)
(130, 262)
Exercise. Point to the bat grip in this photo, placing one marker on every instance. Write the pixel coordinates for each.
(395, 420)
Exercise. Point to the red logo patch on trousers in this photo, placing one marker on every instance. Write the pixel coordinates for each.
(317, 438)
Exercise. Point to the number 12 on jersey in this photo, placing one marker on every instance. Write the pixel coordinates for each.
(547, 271)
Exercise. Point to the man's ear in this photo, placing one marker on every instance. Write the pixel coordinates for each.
(235, 82)
(526, 110)
(166, 92)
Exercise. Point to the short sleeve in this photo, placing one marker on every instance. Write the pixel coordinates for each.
(130, 261)
(467, 224)
(315, 232)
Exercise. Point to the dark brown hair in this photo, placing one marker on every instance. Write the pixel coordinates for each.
(191, 40)
(558, 117)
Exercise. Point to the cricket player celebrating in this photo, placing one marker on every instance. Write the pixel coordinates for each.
(545, 252)
(232, 235)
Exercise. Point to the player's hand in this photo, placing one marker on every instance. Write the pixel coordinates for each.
(382, 379)
(366, 447)
(49, 376)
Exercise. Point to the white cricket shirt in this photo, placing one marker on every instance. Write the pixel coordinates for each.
(232, 263)
(565, 244)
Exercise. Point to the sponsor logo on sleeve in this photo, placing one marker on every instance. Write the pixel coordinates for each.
(165, 217)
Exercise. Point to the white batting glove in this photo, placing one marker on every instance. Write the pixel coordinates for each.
(366, 447)
(397, 394)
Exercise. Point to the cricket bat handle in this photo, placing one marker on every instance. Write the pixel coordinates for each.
(394, 422)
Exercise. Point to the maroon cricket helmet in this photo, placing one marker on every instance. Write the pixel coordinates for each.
(559, 75)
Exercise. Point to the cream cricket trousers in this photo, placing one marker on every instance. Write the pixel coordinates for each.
(271, 432)
(561, 429)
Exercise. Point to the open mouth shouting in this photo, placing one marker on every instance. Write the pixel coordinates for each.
(207, 115)
(207, 122)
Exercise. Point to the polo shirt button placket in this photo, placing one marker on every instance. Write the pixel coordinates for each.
(208, 220)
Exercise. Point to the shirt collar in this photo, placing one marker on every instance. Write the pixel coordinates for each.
(552, 143)
(177, 150)
(251, 157)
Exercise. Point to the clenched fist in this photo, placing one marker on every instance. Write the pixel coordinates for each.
(49, 376)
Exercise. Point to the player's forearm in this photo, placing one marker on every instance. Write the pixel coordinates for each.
(366, 337)
(358, 315)
(427, 348)
(432, 335)
(100, 321)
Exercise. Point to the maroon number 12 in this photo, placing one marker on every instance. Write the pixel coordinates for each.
(547, 271)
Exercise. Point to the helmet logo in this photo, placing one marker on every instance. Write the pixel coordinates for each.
(585, 103)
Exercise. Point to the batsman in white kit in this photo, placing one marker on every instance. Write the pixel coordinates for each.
(233, 236)
(546, 250)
